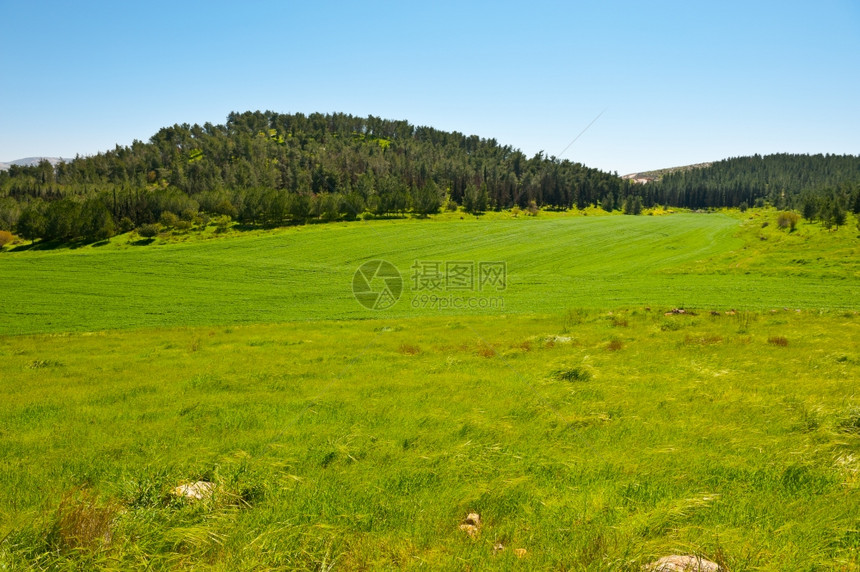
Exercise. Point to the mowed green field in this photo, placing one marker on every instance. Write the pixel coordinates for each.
(553, 263)
(588, 428)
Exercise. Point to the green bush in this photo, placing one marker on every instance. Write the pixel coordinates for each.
(787, 220)
(168, 219)
(126, 225)
(222, 223)
(148, 230)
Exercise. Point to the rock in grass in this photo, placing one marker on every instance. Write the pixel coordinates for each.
(687, 563)
(471, 524)
(195, 491)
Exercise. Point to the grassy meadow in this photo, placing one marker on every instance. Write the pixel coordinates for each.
(553, 262)
(590, 427)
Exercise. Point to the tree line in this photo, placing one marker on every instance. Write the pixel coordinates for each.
(785, 181)
(266, 168)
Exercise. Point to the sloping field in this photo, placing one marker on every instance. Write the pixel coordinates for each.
(307, 272)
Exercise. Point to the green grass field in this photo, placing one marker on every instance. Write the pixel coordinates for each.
(553, 263)
(585, 429)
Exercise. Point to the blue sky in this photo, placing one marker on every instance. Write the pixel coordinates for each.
(680, 82)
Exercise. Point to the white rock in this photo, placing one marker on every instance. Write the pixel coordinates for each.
(687, 563)
(195, 491)
(471, 524)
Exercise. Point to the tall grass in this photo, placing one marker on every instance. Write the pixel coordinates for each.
(333, 444)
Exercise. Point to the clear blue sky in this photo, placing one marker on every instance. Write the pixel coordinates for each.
(680, 81)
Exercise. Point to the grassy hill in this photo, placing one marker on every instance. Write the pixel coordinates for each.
(553, 263)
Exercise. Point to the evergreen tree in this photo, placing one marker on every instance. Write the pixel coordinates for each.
(32, 224)
(608, 203)
(470, 199)
(837, 215)
(633, 205)
(427, 199)
(810, 209)
(96, 221)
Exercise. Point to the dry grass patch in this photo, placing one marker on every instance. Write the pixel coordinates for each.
(82, 523)
(486, 351)
(409, 349)
(707, 340)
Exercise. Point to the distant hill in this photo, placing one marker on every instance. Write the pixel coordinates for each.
(32, 162)
(656, 175)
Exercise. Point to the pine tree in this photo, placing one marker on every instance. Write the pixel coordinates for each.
(608, 203)
(810, 209)
(837, 215)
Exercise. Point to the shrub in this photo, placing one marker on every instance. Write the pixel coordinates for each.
(222, 223)
(148, 230)
(168, 219)
(226, 208)
(532, 208)
(183, 225)
(126, 225)
(515, 211)
(5, 238)
(787, 220)
(615, 345)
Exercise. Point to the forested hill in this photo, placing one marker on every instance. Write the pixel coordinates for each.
(784, 180)
(269, 168)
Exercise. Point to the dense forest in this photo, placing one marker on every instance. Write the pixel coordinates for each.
(265, 168)
(784, 181)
